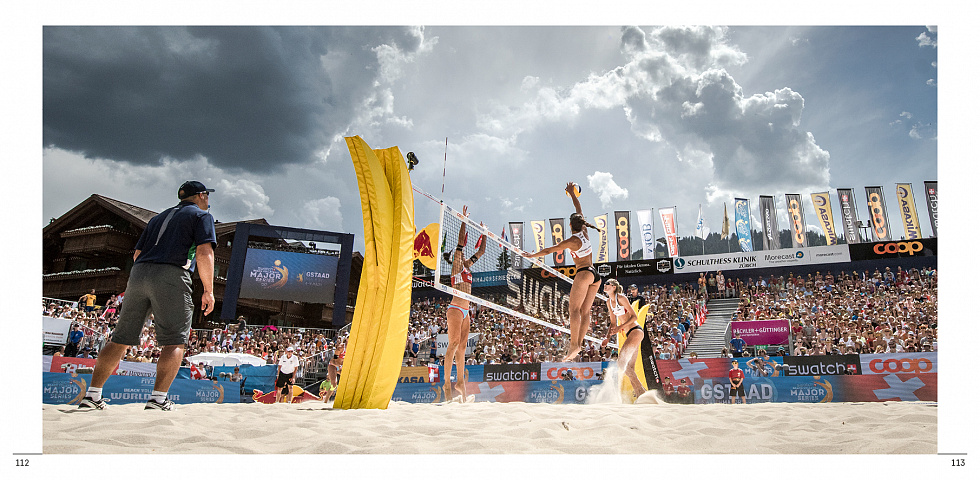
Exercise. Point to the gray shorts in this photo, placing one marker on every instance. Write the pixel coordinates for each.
(165, 291)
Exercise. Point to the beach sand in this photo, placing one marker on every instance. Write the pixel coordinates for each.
(496, 428)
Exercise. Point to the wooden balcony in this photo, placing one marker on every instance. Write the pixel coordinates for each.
(95, 241)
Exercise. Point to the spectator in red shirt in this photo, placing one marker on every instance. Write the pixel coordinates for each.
(684, 394)
(736, 376)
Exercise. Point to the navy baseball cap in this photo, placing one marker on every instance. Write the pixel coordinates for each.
(192, 187)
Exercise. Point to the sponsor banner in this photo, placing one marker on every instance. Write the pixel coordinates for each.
(925, 247)
(602, 250)
(932, 204)
(743, 224)
(289, 276)
(496, 278)
(513, 372)
(822, 365)
(849, 215)
(644, 267)
(442, 341)
(557, 236)
(55, 330)
(669, 221)
(775, 258)
(63, 364)
(474, 373)
(65, 388)
(579, 371)
(700, 229)
(517, 240)
(418, 375)
(700, 369)
(880, 227)
(823, 389)
(906, 205)
(825, 215)
(763, 332)
(770, 225)
(537, 234)
(908, 362)
(556, 392)
(623, 247)
(797, 223)
(645, 220)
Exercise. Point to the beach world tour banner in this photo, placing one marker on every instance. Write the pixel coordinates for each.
(65, 388)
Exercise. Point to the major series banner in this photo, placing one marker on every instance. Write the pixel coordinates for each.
(602, 252)
(645, 219)
(557, 236)
(906, 204)
(623, 247)
(849, 216)
(743, 224)
(881, 229)
(668, 218)
(69, 388)
(932, 204)
(770, 227)
(797, 224)
(825, 215)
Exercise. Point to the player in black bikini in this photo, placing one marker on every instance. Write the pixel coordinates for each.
(623, 318)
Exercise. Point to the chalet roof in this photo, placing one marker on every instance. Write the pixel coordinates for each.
(75, 217)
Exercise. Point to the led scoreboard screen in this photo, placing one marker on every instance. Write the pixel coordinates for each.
(289, 276)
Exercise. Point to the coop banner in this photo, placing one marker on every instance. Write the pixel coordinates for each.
(797, 223)
(881, 229)
(557, 236)
(65, 388)
(623, 247)
(908, 362)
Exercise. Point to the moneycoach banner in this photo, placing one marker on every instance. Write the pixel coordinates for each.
(906, 204)
(932, 204)
(786, 257)
(763, 332)
(668, 218)
(623, 247)
(645, 219)
(770, 227)
(797, 224)
(881, 229)
(537, 230)
(743, 224)
(602, 252)
(517, 240)
(557, 236)
(825, 215)
(849, 215)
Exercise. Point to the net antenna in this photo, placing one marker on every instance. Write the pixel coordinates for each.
(448, 212)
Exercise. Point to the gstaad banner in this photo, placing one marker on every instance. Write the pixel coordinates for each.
(555, 392)
(786, 257)
(289, 276)
(908, 362)
(823, 389)
(66, 388)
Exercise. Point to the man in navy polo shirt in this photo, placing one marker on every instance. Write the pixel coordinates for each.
(160, 283)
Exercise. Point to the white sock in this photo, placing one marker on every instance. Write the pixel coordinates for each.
(94, 393)
(158, 396)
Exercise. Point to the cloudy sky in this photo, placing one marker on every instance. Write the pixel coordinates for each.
(640, 116)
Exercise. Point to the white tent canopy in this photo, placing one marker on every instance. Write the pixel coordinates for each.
(214, 359)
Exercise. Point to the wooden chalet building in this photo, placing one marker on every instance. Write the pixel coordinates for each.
(91, 246)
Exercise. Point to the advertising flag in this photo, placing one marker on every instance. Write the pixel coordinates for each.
(517, 240)
(770, 227)
(724, 224)
(645, 219)
(537, 227)
(668, 219)
(797, 224)
(603, 251)
(700, 229)
(932, 204)
(743, 224)
(623, 236)
(881, 229)
(557, 236)
(821, 204)
(849, 215)
(906, 204)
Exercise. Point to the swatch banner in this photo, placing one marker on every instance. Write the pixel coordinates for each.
(881, 229)
(512, 372)
(908, 362)
(65, 388)
(822, 365)
(763, 332)
(558, 236)
(623, 247)
(797, 224)
(442, 341)
(517, 240)
(849, 217)
(906, 204)
(825, 215)
(537, 229)
(786, 257)
(645, 220)
(743, 225)
(554, 391)
(602, 252)
(668, 218)
(932, 204)
(770, 227)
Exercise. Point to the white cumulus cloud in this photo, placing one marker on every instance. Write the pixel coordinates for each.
(605, 187)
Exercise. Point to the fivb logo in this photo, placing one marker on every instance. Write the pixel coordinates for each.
(908, 218)
(878, 220)
(795, 214)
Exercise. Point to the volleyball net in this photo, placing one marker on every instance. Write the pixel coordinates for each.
(503, 279)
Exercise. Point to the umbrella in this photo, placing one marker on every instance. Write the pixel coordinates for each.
(214, 359)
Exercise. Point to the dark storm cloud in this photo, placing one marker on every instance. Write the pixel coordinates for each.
(253, 98)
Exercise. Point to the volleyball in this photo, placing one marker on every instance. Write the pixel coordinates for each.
(578, 191)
